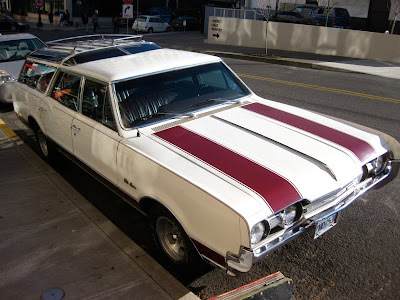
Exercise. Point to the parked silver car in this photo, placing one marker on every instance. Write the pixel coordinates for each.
(13, 50)
(150, 24)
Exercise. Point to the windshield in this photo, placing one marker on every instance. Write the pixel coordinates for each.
(157, 97)
(18, 49)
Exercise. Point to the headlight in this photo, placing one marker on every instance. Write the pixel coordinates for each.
(291, 214)
(5, 77)
(374, 167)
(257, 232)
(378, 164)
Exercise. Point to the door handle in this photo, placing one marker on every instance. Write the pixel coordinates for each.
(75, 128)
(42, 109)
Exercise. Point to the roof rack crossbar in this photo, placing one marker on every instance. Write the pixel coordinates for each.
(73, 46)
(117, 37)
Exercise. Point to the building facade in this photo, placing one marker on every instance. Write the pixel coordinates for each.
(371, 15)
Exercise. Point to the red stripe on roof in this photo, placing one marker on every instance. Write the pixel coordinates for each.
(277, 191)
(360, 148)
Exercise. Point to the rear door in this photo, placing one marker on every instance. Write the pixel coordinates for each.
(58, 109)
(94, 133)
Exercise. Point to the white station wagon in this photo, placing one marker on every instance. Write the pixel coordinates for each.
(221, 173)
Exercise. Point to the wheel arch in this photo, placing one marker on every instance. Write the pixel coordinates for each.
(147, 203)
(33, 124)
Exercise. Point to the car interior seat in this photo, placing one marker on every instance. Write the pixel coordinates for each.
(23, 49)
(3, 54)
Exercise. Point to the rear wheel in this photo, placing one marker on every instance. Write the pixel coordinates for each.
(168, 29)
(172, 239)
(150, 30)
(13, 28)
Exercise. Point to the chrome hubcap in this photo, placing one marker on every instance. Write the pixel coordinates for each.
(43, 143)
(170, 238)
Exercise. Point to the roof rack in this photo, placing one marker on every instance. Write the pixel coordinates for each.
(80, 49)
(94, 41)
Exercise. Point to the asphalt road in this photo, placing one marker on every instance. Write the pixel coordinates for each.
(358, 258)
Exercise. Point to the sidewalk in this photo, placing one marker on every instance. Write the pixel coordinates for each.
(194, 41)
(53, 238)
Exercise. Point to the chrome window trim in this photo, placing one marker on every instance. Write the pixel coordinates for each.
(230, 71)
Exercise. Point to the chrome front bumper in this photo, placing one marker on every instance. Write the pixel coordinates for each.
(5, 93)
(313, 213)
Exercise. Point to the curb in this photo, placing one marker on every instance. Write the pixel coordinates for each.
(278, 61)
(11, 134)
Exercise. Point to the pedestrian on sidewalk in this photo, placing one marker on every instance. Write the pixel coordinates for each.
(66, 18)
(85, 21)
(61, 19)
(116, 22)
(95, 21)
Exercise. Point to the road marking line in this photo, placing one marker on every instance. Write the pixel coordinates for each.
(8, 131)
(321, 88)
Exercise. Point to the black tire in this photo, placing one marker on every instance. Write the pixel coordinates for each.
(172, 240)
(168, 29)
(46, 147)
(13, 28)
(150, 30)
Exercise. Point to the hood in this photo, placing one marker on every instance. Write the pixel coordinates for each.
(278, 155)
(12, 67)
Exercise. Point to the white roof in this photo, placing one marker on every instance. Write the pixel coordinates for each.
(144, 63)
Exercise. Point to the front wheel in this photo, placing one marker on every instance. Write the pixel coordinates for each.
(46, 147)
(150, 30)
(172, 239)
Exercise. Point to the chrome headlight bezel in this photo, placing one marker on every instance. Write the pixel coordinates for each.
(375, 167)
(6, 77)
(258, 232)
(283, 219)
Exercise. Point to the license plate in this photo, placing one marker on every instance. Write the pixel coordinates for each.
(324, 225)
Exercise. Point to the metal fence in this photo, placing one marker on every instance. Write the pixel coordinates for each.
(250, 14)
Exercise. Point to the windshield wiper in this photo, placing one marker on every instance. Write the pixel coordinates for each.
(221, 100)
(178, 115)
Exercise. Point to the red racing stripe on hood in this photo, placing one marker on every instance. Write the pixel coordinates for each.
(360, 148)
(277, 191)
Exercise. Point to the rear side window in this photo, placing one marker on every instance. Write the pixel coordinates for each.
(96, 103)
(302, 10)
(319, 11)
(66, 90)
(37, 76)
(18, 49)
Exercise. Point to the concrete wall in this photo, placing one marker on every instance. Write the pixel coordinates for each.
(305, 38)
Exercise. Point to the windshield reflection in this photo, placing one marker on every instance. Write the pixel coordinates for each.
(18, 49)
(177, 93)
